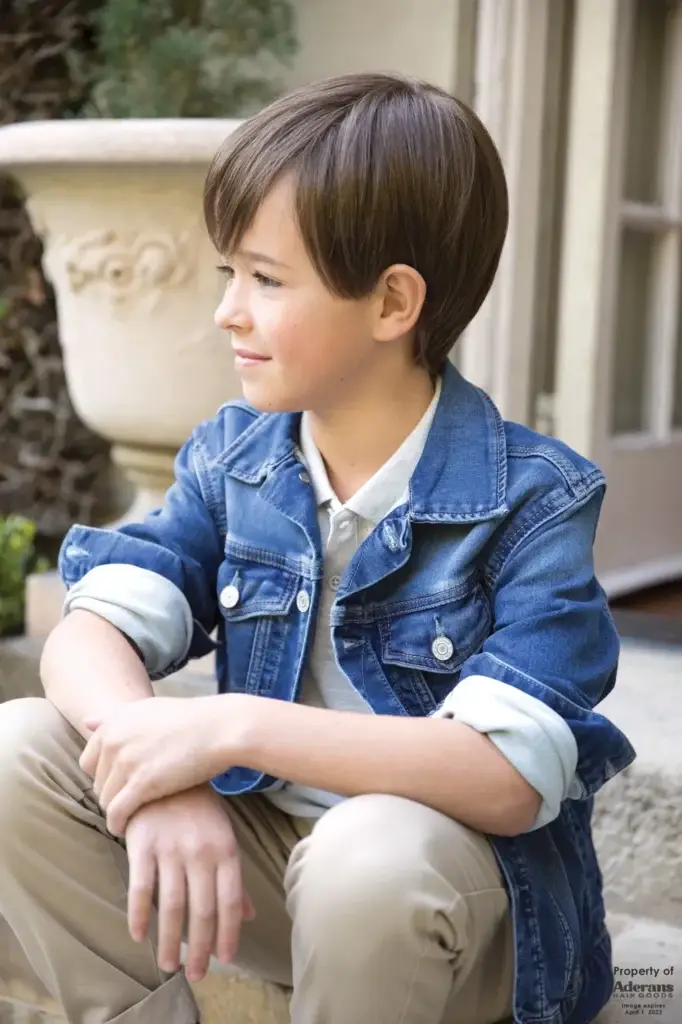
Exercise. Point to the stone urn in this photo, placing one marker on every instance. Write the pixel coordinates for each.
(118, 206)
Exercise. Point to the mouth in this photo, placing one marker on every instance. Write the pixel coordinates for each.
(244, 357)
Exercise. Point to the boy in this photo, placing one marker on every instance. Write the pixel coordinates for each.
(387, 804)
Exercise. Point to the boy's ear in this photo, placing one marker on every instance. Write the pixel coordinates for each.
(400, 295)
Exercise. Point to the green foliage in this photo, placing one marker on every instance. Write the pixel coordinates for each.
(18, 558)
(185, 58)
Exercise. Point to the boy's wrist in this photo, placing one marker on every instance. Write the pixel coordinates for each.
(228, 721)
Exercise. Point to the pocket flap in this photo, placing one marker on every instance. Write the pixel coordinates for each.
(439, 635)
(254, 590)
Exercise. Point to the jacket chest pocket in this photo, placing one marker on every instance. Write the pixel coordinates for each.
(255, 601)
(424, 642)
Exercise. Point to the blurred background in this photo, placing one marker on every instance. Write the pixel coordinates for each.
(581, 336)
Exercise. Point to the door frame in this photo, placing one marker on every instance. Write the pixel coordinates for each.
(595, 214)
(496, 350)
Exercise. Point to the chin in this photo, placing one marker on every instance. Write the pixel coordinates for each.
(263, 401)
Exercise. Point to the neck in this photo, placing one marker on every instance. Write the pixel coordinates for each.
(357, 436)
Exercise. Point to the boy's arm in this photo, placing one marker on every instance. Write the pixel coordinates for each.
(140, 600)
(81, 641)
(444, 765)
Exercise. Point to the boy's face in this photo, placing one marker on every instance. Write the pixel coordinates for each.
(312, 349)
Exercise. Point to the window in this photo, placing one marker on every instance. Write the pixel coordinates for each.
(647, 350)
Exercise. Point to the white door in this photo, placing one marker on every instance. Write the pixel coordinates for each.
(619, 361)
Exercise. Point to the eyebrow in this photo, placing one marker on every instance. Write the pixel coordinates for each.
(259, 257)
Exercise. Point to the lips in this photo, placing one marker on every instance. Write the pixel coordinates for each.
(243, 353)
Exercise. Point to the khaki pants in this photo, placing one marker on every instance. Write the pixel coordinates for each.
(386, 913)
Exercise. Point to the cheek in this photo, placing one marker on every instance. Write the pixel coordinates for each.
(279, 324)
(286, 336)
(312, 334)
(292, 331)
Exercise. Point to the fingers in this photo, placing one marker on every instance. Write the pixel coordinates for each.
(89, 759)
(142, 879)
(171, 916)
(122, 803)
(103, 768)
(212, 900)
(203, 914)
(230, 900)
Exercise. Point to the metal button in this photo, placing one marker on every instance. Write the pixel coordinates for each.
(304, 477)
(334, 582)
(229, 597)
(442, 648)
(302, 601)
(390, 538)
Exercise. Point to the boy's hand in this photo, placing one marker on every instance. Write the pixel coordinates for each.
(185, 845)
(151, 748)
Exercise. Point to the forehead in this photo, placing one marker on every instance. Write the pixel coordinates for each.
(274, 224)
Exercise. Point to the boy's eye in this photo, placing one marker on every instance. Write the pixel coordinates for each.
(267, 282)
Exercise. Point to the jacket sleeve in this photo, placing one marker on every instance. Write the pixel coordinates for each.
(551, 658)
(154, 580)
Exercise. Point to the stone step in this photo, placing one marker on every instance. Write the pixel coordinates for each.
(638, 815)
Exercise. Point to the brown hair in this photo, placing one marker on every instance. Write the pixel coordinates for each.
(387, 170)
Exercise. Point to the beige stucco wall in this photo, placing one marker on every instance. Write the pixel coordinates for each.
(418, 37)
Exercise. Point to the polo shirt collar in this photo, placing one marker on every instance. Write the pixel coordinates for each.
(387, 488)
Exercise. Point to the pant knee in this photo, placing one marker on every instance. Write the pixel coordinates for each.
(34, 741)
(352, 881)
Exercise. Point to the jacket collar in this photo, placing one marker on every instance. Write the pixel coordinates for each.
(460, 477)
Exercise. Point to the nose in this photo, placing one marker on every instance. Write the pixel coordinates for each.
(232, 313)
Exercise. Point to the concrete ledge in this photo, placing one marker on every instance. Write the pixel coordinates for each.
(638, 815)
(44, 599)
(227, 996)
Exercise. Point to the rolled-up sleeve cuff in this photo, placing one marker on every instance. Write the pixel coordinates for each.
(533, 737)
(150, 610)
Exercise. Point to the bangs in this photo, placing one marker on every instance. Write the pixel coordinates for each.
(238, 181)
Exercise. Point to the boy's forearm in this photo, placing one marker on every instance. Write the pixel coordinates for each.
(88, 668)
(438, 762)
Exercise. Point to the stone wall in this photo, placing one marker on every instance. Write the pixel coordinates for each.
(52, 468)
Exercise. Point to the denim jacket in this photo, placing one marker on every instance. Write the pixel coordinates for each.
(492, 550)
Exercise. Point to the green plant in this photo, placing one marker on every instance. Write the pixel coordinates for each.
(185, 58)
(18, 558)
